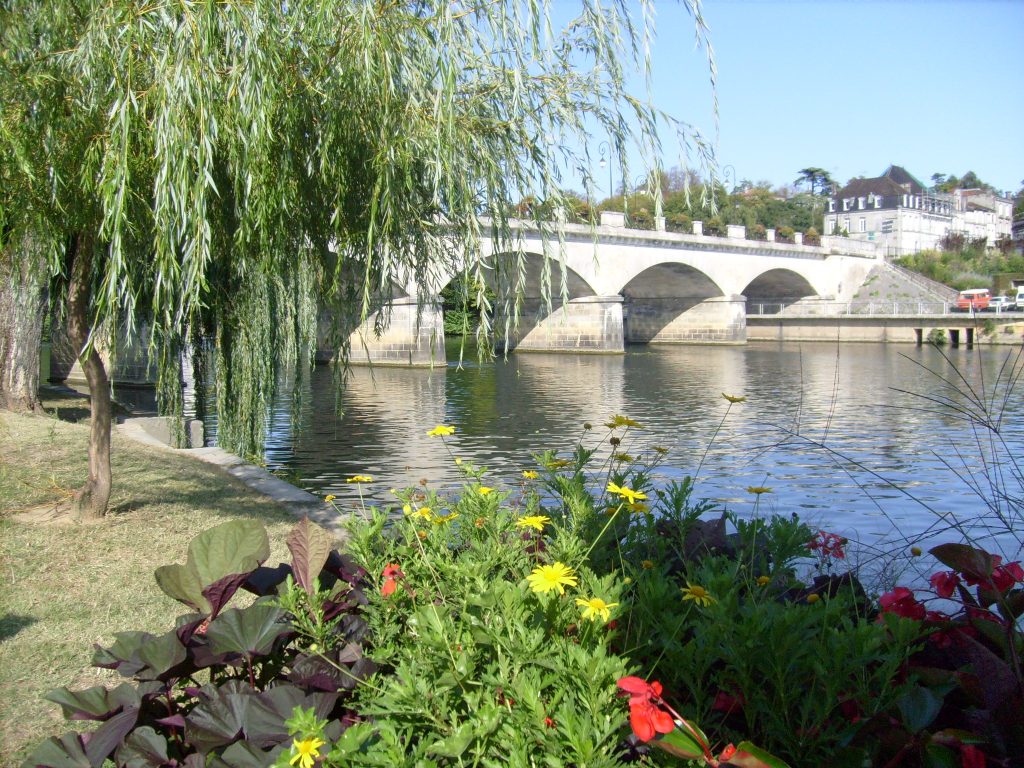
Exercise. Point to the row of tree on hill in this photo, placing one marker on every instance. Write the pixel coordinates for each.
(687, 197)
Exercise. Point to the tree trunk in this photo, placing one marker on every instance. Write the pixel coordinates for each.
(92, 498)
(22, 305)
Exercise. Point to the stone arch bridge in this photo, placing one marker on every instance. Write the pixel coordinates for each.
(629, 286)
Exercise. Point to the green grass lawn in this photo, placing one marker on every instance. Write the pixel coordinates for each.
(66, 585)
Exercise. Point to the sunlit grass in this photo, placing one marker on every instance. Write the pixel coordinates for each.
(67, 586)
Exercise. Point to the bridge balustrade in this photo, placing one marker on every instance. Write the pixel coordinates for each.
(806, 308)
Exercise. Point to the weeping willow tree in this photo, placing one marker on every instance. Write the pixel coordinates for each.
(223, 169)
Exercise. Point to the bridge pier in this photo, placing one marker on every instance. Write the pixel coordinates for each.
(586, 324)
(414, 337)
(687, 320)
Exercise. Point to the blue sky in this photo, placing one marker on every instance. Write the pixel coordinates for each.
(850, 87)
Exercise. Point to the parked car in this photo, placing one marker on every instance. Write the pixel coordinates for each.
(972, 300)
(1001, 304)
(1019, 303)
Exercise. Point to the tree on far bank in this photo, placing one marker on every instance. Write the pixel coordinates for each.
(221, 170)
(816, 179)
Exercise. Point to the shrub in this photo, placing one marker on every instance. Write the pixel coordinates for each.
(679, 222)
(784, 234)
(757, 232)
(222, 683)
(714, 227)
(501, 627)
(811, 237)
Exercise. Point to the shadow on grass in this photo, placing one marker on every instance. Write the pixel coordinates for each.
(11, 624)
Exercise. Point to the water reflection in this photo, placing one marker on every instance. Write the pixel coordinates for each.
(832, 429)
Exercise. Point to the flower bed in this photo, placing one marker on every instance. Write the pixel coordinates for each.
(583, 618)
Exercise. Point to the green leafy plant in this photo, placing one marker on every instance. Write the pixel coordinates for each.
(224, 681)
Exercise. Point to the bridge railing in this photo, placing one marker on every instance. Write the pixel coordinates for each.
(805, 308)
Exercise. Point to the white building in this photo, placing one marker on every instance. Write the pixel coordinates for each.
(900, 213)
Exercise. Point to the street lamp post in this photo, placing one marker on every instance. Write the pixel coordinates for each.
(604, 148)
(729, 172)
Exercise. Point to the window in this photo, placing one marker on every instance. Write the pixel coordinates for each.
(831, 206)
(877, 201)
(862, 225)
(846, 223)
(860, 203)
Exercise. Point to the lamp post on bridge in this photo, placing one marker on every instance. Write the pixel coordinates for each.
(605, 148)
(729, 172)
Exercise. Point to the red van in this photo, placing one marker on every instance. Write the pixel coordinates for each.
(973, 300)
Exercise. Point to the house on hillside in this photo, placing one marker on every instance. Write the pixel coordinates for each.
(899, 212)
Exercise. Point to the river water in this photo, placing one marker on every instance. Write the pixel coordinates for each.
(861, 439)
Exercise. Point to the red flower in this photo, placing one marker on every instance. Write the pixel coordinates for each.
(391, 575)
(727, 702)
(727, 753)
(971, 756)
(902, 602)
(944, 583)
(549, 723)
(851, 710)
(830, 544)
(974, 578)
(646, 719)
(981, 613)
(640, 690)
(1005, 576)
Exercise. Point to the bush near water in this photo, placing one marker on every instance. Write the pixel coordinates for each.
(582, 618)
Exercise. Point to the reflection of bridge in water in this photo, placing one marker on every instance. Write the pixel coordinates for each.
(638, 286)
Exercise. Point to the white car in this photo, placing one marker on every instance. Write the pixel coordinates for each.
(1001, 304)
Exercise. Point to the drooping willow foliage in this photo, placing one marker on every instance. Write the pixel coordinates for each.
(241, 165)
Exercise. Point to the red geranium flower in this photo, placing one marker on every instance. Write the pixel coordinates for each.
(974, 578)
(971, 756)
(727, 702)
(640, 690)
(902, 602)
(830, 545)
(944, 583)
(391, 575)
(646, 719)
(1005, 576)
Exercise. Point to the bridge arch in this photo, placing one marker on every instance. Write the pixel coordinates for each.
(775, 289)
(675, 302)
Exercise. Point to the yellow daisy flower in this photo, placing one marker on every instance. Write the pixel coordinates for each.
(734, 398)
(533, 521)
(306, 752)
(545, 578)
(698, 594)
(630, 496)
(360, 479)
(595, 608)
(529, 474)
(483, 490)
(757, 490)
(441, 431)
(622, 421)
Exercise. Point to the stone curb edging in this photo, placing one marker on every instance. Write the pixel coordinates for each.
(298, 502)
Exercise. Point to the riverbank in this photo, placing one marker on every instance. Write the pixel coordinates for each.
(68, 584)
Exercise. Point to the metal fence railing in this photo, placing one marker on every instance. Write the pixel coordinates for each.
(806, 308)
